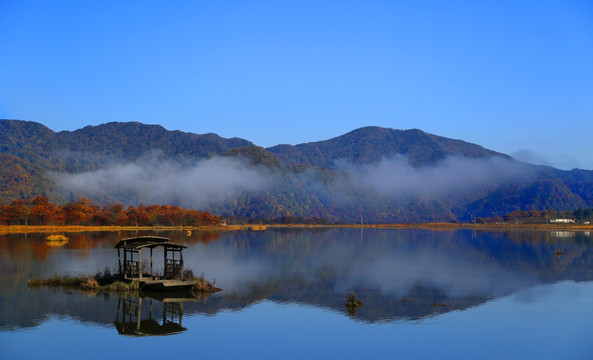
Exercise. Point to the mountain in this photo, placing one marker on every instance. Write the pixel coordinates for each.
(29, 150)
(371, 174)
(125, 141)
(371, 144)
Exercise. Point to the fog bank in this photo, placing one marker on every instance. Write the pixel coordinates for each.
(396, 177)
(155, 180)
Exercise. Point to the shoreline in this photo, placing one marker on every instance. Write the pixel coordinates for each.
(15, 229)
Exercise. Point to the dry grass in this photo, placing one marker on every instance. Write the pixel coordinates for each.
(201, 285)
(89, 284)
(5, 229)
(204, 286)
(120, 287)
(55, 237)
(86, 283)
(258, 228)
(58, 280)
(105, 282)
(56, 240)
(10, 229)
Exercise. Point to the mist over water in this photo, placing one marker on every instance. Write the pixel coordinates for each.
(370, 264)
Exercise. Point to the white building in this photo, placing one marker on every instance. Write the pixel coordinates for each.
(564, 221)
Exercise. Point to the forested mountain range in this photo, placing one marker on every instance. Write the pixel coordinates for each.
(371, 174)
(372, 144)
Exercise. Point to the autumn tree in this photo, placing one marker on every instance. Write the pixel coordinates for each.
(136, 216)
(43, 212)
(111, 215)
(197, 218)
(17, 213)
(81, 212)
(40, 211)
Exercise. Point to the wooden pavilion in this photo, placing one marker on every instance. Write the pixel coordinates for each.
(131, 268)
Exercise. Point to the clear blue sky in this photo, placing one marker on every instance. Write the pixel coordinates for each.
(513, 76)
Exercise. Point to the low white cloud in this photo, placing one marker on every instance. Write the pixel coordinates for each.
(397, 177)
(220, 180)
(157, 181)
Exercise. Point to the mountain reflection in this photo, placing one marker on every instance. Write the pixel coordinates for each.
(398, 274)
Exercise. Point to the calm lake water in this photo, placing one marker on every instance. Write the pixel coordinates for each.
(459, 294)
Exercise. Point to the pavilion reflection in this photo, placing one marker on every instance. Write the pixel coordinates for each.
(152, 314)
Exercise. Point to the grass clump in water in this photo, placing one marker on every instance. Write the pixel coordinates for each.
(352, 303)
(89, 284)
(56, 237)
(56, 240)
(120, 287)
(201, 285)
(58, 280)
(106, 277)
(102, 281)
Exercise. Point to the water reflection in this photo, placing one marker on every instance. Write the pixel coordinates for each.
(152, 314)
(398, 274)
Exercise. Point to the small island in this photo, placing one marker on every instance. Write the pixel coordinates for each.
(132, 277)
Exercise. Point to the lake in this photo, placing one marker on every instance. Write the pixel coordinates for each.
(458, 294)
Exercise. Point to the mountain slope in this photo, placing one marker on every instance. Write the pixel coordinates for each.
(372, 174)
(36, 151)
(125, 141)
(371, 144)
(131, 140)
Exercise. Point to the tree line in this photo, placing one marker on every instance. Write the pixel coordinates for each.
(40, 211)
(539, 216)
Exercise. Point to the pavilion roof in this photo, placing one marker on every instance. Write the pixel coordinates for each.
(140, 242)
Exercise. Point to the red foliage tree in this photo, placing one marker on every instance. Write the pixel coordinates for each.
(43, 212)
(81, 212)
(136, 216)
(17, 213)
(113, 214)
(40, 211)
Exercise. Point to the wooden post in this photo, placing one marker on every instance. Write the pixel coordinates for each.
(180, 312)
(151, 275)
(140, 263)
(119, 259)
(181, 262)
(150, 309)
(125, 264)
(139, 313)
(118, 307)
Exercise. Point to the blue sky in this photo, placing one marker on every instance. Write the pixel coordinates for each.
(512, 76)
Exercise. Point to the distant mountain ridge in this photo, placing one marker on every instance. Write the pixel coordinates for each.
(371, 144)
(128, 140)
(307, 179)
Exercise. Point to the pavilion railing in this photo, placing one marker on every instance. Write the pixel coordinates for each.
(131, 268)
(172, 269)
